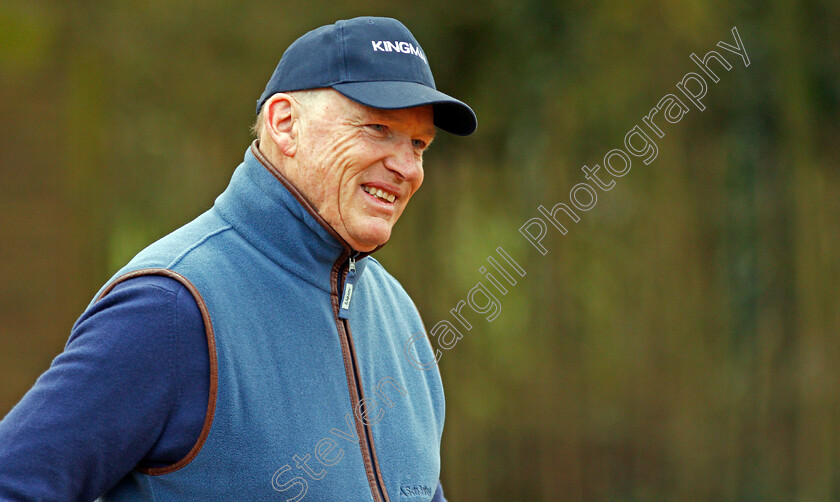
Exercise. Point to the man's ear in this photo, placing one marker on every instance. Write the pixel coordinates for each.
(280, 118)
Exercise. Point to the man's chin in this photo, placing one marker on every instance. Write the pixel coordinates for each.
(372, 237)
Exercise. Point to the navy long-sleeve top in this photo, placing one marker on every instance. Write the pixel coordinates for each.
(130, 390)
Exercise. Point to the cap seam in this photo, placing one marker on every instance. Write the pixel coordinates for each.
(343, 76)
(418, 69)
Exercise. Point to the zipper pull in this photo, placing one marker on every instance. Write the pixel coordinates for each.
(349, 282)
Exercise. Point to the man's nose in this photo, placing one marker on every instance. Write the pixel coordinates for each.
(403, 160)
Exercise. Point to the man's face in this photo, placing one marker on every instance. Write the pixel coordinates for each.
(359, 166)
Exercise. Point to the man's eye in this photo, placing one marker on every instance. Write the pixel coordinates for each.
(377, 127)
(419, 143)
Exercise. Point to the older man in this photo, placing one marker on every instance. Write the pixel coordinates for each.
(257, 353)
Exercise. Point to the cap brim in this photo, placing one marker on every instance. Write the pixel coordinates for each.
(450, 114)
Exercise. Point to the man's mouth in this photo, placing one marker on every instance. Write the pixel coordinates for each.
(379, 193)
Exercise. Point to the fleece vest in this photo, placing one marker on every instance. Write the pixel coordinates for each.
(313, 393)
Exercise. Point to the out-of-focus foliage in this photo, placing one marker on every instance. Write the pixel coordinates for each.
(679, 343)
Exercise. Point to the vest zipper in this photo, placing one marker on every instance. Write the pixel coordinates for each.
(349, 284)
(348, 277)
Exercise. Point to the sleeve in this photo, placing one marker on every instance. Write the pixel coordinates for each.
(438, 494)
(110, 401)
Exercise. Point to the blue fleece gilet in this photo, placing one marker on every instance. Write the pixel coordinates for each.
(286, 419)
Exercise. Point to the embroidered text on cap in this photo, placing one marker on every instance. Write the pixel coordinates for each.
(397, 46)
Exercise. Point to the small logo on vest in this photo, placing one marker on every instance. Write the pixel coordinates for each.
(397, 46)
(415, 491)
(348, 293)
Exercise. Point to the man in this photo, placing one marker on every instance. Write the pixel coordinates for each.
(257, 352)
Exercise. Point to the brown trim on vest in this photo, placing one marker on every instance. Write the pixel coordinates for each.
(214, 369)
(351, 372)
(368, 429)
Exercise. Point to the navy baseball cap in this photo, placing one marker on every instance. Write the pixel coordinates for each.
(374, 61)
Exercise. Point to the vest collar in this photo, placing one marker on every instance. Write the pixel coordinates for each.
(273, 216)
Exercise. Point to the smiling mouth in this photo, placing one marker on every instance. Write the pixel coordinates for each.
(380, 194)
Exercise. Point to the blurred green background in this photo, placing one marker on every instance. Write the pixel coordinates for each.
(680, 343)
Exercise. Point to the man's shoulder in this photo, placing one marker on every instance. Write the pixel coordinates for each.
(379, 276)
(168, 250)
(375, 268)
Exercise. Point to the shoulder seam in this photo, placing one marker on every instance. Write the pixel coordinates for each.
(196, 244)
